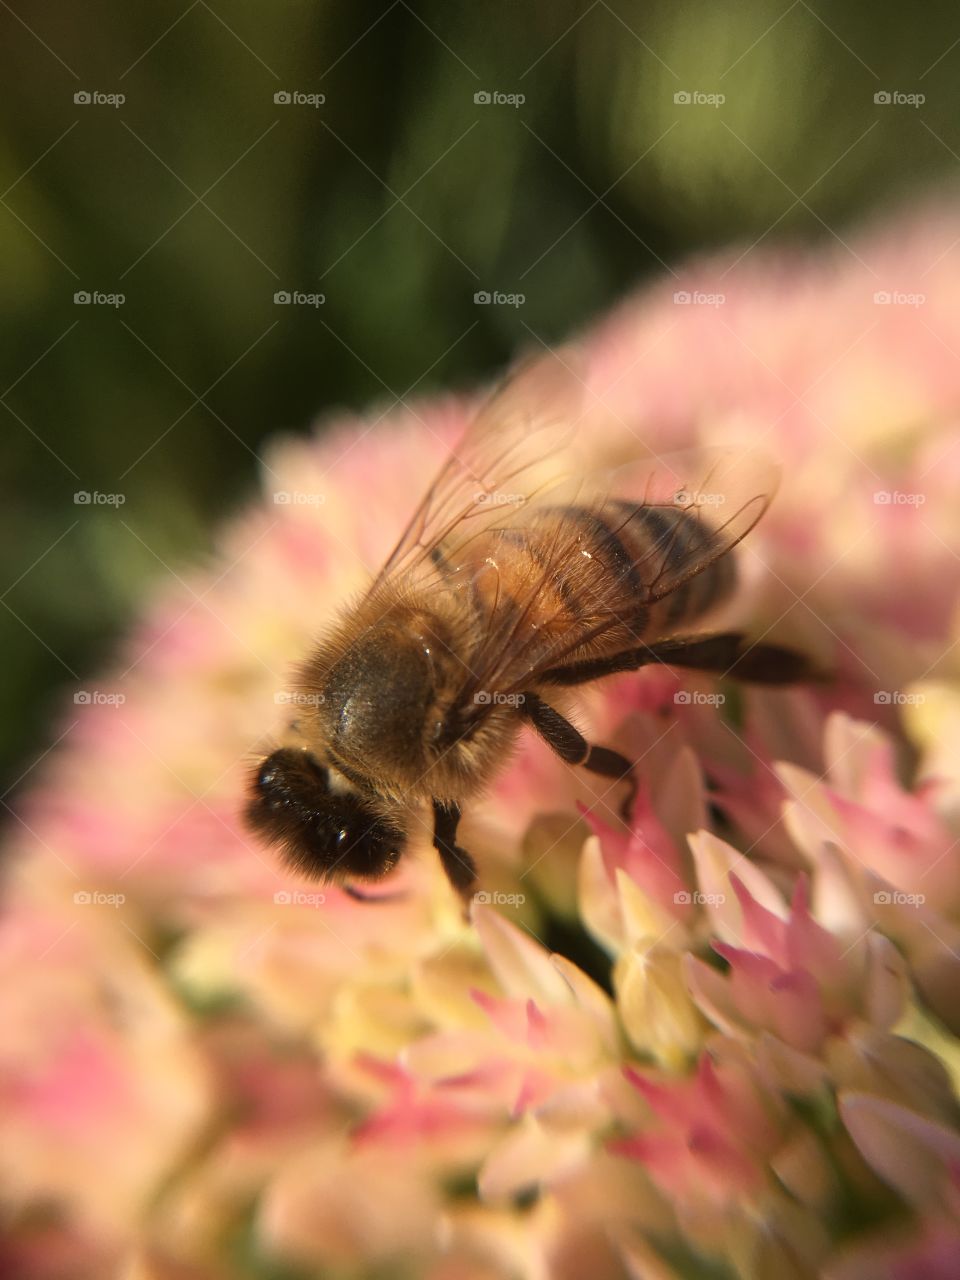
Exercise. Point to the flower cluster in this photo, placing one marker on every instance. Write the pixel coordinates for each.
(720, 1038)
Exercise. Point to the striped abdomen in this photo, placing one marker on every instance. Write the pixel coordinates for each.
(676, 540)
(569, 569)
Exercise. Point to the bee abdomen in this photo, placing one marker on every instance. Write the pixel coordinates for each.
(620, 553)
(581, 562)
(594, 572)
(667, 542)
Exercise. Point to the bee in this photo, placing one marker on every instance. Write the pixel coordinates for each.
(511, 584)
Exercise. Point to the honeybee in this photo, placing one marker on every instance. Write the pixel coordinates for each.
(510, 584)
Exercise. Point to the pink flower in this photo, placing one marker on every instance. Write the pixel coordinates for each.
(715, 1132)
(720, 1035)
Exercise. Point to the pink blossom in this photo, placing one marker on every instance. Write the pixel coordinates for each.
(721, 1033)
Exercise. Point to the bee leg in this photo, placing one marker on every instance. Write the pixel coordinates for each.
(727, 654)
(611, 764)
(570, 745)
(456, 862)
(732, 654)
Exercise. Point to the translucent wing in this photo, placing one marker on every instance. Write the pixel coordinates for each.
(564, 563)
(620, 559)
(513, 453)
(707, 500)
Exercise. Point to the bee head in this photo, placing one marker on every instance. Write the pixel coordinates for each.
(322, 833)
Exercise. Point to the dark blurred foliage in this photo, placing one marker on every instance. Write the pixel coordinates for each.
(400, 197)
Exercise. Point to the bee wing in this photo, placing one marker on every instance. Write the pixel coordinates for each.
(678, 514)
(721, 493)
(512, 454)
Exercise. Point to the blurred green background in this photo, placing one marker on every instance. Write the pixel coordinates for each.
(200, 196)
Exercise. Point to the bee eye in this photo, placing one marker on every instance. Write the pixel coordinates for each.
(324, 834)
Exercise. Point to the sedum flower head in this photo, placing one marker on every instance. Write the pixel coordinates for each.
(719, 1039)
